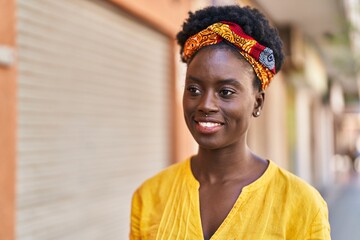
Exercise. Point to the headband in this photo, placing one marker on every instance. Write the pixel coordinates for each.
(261, 58)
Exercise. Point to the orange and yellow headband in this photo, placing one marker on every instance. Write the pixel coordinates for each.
(261, 58)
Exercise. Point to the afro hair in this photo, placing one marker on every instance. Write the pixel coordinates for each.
(249, 19)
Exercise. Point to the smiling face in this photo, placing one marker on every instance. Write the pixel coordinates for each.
(219, 98)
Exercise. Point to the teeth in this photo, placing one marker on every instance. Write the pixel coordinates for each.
(209, 124)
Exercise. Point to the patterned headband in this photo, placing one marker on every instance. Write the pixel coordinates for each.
(261, 58)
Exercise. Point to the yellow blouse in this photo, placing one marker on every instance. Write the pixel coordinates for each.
(278, 205)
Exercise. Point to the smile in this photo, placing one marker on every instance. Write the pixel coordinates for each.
(209, 124)
(208, 127)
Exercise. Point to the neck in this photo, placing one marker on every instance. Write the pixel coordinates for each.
(221, 165)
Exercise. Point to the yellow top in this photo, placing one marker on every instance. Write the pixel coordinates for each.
(278, 205)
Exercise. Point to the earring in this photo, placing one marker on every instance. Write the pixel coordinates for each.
(257, 113)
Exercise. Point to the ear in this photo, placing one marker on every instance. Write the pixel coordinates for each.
(259, 103)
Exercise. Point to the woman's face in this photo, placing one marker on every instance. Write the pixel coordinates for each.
(219, 98)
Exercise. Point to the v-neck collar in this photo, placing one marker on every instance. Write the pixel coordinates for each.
(240, 201)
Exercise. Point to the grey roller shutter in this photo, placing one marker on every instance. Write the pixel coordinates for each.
(93, 117)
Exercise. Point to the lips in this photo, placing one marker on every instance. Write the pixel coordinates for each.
(206, 126)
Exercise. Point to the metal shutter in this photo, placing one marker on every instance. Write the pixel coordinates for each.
(93, 117)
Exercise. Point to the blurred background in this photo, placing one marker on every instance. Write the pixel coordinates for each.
(90, 106)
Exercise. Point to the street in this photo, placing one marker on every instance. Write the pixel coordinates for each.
(344, 209)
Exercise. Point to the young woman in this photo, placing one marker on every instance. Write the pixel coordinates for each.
(226, 191)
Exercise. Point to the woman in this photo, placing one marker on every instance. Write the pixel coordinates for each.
(226, 191)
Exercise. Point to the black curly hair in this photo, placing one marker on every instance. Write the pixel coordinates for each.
(249, 19)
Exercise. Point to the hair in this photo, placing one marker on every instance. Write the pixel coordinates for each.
(249, 19)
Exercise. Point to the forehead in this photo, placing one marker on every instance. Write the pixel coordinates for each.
(220, 63)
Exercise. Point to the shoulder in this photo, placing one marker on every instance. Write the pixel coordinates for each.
(303, 205)
(155, 191)
(149, 200)
(297, 187)
(163, 180)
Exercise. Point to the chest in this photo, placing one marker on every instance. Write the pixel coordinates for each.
(216, 202)
(220, 213)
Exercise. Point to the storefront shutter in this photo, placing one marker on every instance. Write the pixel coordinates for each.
(93, 117)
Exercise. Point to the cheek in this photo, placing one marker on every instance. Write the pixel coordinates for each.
(240, 110)
(188, 102)
(185, 104)
(188, 106)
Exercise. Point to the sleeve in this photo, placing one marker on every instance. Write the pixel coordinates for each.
(320, 227)
(135, 219)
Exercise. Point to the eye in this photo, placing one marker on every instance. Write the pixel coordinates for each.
(194, 91)
(226, 92)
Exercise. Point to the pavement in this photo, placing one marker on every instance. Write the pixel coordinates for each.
(344, 208)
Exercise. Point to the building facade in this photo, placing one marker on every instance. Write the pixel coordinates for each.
(90, 106)
(87, 112)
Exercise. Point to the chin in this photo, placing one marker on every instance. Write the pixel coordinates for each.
(210, 144)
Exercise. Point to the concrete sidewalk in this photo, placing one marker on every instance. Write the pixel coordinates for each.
(344, 209)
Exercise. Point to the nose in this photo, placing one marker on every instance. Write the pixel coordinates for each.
(208, 103)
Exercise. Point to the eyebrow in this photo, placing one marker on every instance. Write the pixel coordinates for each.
(230, 81)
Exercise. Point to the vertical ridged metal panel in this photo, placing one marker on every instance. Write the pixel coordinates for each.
(93, 117)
